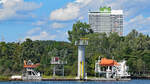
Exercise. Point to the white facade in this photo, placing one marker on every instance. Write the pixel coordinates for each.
(117, 12)
(30, 74)
(117, 71)
(122, 69)
(107, 21)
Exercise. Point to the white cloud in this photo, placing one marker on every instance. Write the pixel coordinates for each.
(61, 36)
(79, 1)
(39, 23)
(79, 8)
(83, 2)
(81, 18)
(58, 25)
(130, 8)
(3, 1)
(132, 12)
(39, 34)
(140, 23)
(70, 12)
(11, 8)
(42, 36)
(32, 31)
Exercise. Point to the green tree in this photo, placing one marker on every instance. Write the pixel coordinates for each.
(78, 31)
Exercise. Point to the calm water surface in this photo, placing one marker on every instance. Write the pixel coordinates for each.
(78, 82)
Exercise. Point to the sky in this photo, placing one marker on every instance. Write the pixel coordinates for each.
(51, 19)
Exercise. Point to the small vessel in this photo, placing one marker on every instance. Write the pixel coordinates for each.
(30, 74)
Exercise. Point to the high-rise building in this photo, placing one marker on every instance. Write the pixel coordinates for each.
(106, 20)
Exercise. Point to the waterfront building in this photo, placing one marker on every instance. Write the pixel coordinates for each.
(106, 20)
(111, 69)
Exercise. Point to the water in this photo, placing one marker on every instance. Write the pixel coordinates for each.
(80, 82)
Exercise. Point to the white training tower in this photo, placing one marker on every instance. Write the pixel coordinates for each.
(81, 57)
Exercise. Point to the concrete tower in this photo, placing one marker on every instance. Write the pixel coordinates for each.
(81, 57)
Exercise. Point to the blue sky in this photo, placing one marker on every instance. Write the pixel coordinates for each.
(51, 19)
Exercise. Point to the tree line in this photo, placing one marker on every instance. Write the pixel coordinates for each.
(134, 48)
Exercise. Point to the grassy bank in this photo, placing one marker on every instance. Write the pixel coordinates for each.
(58, 77)
(4, 78)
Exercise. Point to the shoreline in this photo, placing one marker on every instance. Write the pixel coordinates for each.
(74, 79)
(140, 77)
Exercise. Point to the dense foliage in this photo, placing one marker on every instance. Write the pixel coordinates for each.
(13, 54)
(79, 30)
(134, 47)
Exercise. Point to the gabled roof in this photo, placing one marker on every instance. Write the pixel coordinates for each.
(108, 62)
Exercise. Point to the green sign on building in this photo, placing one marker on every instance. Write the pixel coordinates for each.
(105, 10)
